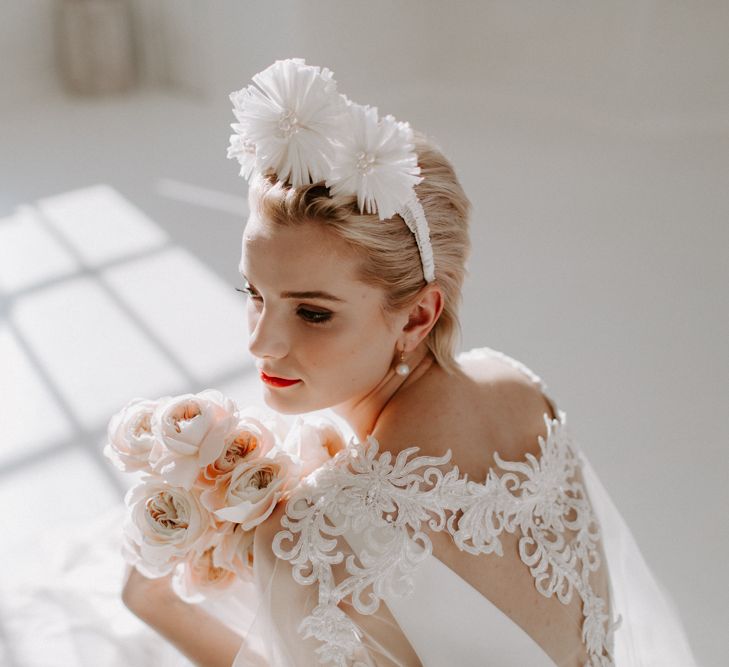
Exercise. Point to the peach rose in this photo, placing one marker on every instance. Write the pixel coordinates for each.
(164, 523)
(250, 438)
(190, 432)
(197, 578)
(235, 551)
(250, 492)
(129, 436)
(314, 441)
(274, 421)
(226, 557)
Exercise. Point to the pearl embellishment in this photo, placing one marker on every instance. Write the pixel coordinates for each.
(365, 162)
(402, 369)
(288, 124)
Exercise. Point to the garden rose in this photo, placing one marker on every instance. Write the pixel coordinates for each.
(198, 577)
(235, 550)
(250, 438)
(275, 422)
(314, 441)
(129, 436)
(249, 494)
(165, 522)
(190, 432)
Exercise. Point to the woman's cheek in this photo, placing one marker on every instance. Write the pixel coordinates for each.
(252, 315)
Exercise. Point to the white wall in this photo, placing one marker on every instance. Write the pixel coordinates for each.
(645, 62)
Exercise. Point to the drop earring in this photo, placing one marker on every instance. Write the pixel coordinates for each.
(402, 368)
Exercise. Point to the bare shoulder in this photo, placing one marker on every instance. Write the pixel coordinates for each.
(487, 407)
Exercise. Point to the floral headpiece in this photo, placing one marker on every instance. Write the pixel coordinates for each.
(297, 125)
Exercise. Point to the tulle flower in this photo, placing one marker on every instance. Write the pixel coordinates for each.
(295, 125)
(243, 150)
(376, 160)
(287, 123)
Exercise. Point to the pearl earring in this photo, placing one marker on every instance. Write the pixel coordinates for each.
(402, 368)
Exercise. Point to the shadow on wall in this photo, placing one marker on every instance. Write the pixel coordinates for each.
(100, 306)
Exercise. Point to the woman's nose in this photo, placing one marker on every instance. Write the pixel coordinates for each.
(267, 337)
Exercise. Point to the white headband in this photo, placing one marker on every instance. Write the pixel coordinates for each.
(297, 125)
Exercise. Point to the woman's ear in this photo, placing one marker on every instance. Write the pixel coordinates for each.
(423, 315)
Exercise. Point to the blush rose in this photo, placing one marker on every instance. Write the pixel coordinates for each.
(190, 432)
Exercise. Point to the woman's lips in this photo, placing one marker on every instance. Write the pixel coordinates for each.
(277, 382)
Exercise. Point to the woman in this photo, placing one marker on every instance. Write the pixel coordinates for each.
(461, 524)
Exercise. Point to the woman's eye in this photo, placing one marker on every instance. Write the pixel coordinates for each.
(314, 317)
(310, 316)
(247, 290)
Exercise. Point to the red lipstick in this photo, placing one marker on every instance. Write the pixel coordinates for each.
(277, 382)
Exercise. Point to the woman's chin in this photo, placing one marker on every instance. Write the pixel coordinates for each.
(285, 405)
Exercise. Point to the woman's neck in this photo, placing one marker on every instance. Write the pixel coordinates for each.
(362, 414)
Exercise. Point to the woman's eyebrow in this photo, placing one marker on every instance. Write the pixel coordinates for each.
(311, 294)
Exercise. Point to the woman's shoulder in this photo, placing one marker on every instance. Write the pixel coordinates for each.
(491, 405)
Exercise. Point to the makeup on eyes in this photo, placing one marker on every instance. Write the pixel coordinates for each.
(309, 294)
(309, 316)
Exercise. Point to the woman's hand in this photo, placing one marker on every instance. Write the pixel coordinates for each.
(141, 594)
(201, 637)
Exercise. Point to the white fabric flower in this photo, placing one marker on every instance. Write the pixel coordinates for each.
(290, 119)
(294, 123)
(244, 151)
(376, 160)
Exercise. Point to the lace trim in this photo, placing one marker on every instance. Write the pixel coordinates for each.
(387, 500)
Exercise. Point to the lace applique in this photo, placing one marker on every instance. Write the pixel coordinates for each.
(388, 501)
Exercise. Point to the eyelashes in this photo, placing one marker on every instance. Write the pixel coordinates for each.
(246, 291)
(309, 316)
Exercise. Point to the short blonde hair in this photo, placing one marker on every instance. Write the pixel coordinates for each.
(387, 250)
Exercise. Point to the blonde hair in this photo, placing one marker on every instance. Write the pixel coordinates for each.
(387, 250)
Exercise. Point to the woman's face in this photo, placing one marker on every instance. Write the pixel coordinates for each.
(339, 349)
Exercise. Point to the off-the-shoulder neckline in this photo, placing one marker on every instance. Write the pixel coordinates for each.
(555, 425)
(509, 487)
(484, 351)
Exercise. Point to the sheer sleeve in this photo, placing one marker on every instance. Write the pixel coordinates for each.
(651, 631)
(295, 626)
(648, 630)
(356, 534)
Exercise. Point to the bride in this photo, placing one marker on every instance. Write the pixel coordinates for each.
(461, 524)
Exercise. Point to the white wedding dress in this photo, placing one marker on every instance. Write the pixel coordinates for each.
(354, 542)
(339, 582)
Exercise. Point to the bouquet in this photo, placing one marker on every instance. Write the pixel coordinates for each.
(211, 473)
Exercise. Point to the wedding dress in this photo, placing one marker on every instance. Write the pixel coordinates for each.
(387, 600)
(354, 580)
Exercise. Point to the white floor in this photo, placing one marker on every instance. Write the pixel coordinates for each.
(119, 228)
